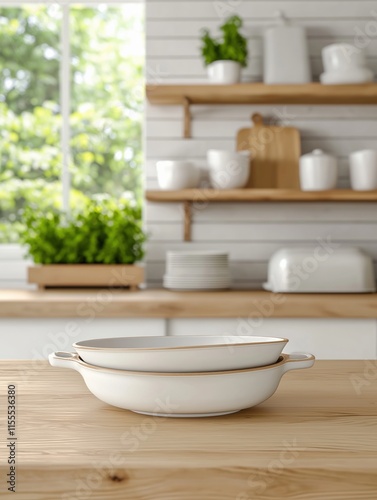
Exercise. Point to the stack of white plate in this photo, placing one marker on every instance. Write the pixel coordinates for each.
(201, 270)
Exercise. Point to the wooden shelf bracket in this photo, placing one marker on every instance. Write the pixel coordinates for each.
(258, 93)
(187, 118)
(249, 195)
(187, 207)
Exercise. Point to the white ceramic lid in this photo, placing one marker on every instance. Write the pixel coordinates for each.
(317, 153)
(280, 20)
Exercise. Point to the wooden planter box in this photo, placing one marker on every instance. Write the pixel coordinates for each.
(86, 275)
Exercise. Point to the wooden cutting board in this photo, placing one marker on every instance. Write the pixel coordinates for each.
(275, 153)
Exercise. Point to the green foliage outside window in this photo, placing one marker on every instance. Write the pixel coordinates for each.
(107, 100)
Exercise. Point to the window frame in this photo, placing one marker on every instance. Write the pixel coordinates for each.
(13, 252)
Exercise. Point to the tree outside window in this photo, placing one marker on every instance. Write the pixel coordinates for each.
(107, 57)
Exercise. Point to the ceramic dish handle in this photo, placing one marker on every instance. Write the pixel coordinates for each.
(297, 361)
(65, 360)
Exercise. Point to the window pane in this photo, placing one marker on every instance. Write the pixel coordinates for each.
(107, 99)
(30, 158)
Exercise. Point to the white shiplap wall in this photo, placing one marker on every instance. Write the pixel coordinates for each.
(251, 233)
(13, 267)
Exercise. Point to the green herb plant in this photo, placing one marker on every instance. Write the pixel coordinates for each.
(103, 233)
(231, 47)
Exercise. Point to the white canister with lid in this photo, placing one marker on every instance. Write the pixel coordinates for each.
(286, 55)
(363, 170)
(318, 171)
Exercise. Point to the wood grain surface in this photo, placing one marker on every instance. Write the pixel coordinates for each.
(86, 275)
(156, 303)
(275, 153)
(260, 195)
(259, 93)
(316, 438)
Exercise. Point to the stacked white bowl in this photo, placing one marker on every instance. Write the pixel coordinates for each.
(182, 376)
(197, 270)
(344, 64)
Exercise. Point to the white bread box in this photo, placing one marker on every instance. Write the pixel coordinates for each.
(321, 269)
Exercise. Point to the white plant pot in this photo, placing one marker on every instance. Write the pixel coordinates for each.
(224, 72)
(363, 170)
(318, 171)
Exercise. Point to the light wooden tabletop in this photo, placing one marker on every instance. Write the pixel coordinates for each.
(316, 438)
(152, 303)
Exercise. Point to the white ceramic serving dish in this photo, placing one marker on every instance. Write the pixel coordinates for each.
(203, 394)
(321, 269)
(172, 175)
(228, 169)
(363, 170)
(318, 171)
(188, 353)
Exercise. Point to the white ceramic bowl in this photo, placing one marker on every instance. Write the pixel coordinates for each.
(228, 169)
(188, 353)
(342, 57)
(183, 394)
(363, 170)
(172, 175)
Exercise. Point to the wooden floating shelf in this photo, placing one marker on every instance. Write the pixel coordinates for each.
(259, 93)
(190, 197)
(259, 195)
(169, 304)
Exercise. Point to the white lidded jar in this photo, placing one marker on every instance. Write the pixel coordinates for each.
(318, 171)
(286, 55)
(363, 170)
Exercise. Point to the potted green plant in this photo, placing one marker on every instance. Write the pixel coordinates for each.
(226, 56)
(97, 246)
